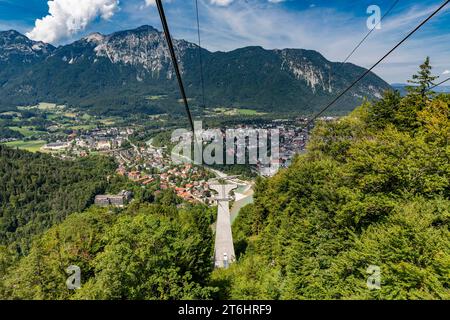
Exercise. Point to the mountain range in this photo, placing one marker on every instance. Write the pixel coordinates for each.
(131, 72)
(401, 87)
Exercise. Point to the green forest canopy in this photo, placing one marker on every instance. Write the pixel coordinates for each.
(373, 189)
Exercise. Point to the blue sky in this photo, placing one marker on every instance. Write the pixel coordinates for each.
(330, 27)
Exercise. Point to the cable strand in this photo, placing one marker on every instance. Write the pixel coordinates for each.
(162, 15)
(202, 78)
(341, 65)
(377, 63)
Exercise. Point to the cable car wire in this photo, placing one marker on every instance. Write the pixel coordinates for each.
(162, 15)
(370, 31)
(362, 76)
(437, 85)
(341, 65)
(202, 78)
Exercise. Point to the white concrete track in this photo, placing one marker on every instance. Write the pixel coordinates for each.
(223, 249)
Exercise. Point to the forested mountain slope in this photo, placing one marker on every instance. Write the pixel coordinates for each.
(38, 190)
(373, 190)
(147, 251)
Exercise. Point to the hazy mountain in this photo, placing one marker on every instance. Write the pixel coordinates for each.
(117, 72)
(402, 88)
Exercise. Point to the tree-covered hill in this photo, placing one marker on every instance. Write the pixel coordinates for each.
(373, 190)
(38, 190)
(147, 251)
(156, 248)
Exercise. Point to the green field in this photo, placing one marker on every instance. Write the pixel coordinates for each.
(154, 98)
(47, 106)
(248, 112)
(86, 117)
(236, 111)
(32, 146)
(11, 113)
(53, 116)
(108, 121)
(40, 106)
(26, 131)
(82, 127)
(61, 116)
(70, 115)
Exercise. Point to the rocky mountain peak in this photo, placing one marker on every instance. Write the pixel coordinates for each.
(147, 28)
(308, 65)
(145, 47)
(94, 37)
(138, 61)
(15, 45)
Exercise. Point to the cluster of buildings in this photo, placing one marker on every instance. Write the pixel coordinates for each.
(292, 141)
(152, 166)
(293, 137)
(148, 165)
(119, 200)
(92, 140)
(4, 140)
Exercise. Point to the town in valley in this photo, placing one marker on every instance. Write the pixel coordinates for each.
(70, 133)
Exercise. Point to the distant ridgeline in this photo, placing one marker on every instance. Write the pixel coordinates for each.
(401, 87)
(130, 71)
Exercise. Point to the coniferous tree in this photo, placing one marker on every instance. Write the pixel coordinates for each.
(423, 81)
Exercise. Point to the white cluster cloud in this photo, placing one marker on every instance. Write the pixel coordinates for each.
(67, 17)
(152, 3)
(222, 3)
(446, 72)
(225, 3)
